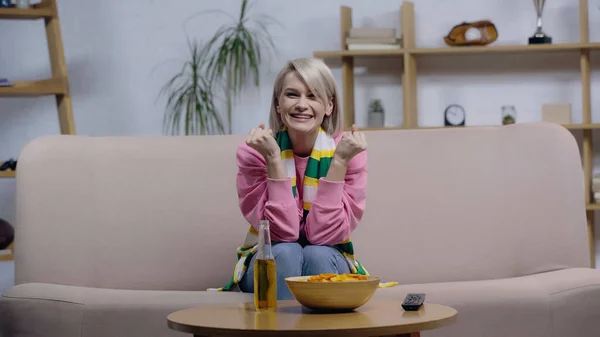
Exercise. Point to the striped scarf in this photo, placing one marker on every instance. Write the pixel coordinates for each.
(317, 167)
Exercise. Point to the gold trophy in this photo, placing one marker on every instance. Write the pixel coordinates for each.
(539, 37)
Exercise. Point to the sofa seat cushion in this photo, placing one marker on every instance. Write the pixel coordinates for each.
(39, 309)
(556, 303)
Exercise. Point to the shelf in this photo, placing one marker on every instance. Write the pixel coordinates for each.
(25, 14)
(460, 50)
(581, 126)
(34, 88)
(593, 207)
(505, 49)
(7, 173)
(8, 254)
(566, 126)
(341, 53)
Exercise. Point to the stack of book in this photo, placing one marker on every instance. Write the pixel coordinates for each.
(370, 38)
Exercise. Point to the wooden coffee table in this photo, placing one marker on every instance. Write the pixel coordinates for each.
(376, 318)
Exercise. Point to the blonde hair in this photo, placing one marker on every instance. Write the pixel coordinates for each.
(320, 81)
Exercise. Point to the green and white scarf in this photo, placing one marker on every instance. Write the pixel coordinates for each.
(317, 167)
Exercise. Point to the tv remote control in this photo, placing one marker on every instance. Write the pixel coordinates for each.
(413, 301)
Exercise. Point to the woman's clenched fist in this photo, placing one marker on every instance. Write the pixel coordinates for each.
(350, 145)
(262, 140)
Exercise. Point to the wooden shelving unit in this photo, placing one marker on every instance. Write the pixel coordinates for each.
(410, 54)
(57, 86)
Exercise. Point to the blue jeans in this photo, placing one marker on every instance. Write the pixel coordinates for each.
(294, 260)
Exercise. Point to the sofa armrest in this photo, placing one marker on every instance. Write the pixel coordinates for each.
(38, 309)
(574, 299)
(41, 310)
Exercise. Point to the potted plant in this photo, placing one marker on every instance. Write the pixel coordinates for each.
(376, 114)
(232, 56)
(509, 114)
(190, 101)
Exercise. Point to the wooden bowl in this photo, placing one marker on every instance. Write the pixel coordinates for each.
(332, 296)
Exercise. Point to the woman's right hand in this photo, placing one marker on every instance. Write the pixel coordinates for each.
(262, 140)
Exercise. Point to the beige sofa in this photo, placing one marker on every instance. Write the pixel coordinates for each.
(115, 233)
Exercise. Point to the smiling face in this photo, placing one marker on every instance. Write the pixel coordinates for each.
(305, 97)
(299, 108)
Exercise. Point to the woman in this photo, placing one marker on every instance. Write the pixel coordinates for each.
(305, 176)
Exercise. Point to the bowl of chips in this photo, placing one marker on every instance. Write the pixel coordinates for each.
(333, 292)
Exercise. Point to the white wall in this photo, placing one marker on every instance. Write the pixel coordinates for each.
(113, 49)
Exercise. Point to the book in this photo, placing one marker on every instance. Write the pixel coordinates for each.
(371, 40)
(372, 32)
(373, 46)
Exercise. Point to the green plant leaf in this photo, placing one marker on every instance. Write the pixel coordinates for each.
(189, 107)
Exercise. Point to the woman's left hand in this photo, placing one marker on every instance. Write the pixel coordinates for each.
(350, 145)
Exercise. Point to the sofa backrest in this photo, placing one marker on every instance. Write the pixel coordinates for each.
(162, 212)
